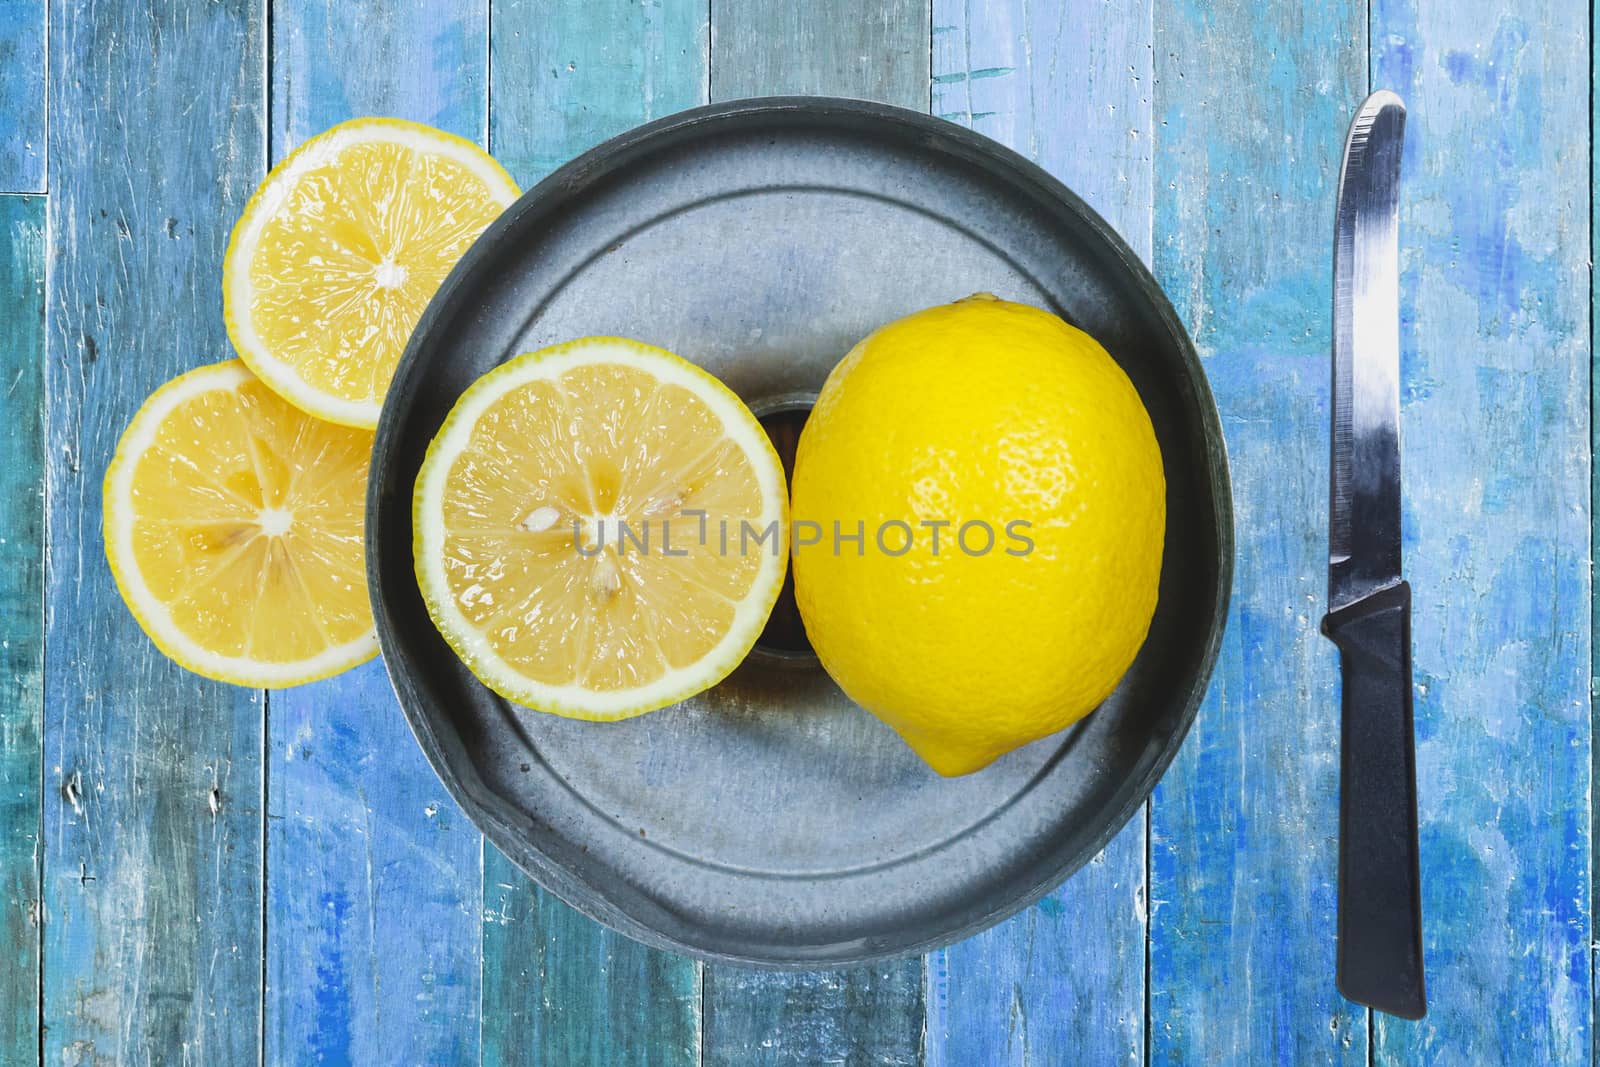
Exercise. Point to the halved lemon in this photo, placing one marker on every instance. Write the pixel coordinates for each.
(340, 250)
(601, 529)
(233, 526)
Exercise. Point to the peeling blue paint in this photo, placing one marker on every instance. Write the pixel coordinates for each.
(328, 1042)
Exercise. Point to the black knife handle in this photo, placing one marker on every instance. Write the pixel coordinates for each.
(1380, 887)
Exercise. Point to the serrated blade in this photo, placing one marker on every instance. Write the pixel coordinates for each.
(1364, 496)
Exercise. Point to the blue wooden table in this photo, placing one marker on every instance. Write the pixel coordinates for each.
(196, 874)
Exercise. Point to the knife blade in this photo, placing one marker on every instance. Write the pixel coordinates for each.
(1364, 498)
(1380, 961)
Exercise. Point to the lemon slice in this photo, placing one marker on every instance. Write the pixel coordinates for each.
(233, 528)
(340, 250)
(520, 546)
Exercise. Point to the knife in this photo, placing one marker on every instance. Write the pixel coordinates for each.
(1369, 603)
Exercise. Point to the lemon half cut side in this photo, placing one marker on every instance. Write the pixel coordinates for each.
(518, 512)
(341, 249)
(233, 527)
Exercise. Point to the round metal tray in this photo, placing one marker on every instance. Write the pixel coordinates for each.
(770, 820)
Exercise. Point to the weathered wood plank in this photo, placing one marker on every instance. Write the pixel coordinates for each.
(870, 1014)
(861, 1015)
(1251, 106)
(1065, 82)
(567, 76)
(21, 619)
(826, 47)
(558, 988)
(152, 867)
(1495, 293)
(372, 932)
(373, 887)
(424, 62)
(22, 96)
(1064, 981)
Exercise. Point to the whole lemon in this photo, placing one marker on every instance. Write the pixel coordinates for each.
(979, 511)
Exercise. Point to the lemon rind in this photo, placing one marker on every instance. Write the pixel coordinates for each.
(263, 205)
(153, 616)
(574, 701)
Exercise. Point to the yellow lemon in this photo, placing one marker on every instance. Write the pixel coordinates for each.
(979, 513)
(340, 250)
(600, 529)
(233, 528)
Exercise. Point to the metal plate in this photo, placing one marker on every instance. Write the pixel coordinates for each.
(770, 820)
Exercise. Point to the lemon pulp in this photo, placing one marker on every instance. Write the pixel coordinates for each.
(233, 526)
(340, 250)
(521, 507)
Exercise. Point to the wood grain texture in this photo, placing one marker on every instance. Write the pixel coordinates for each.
(569, 75)
(22, 96)
(1251, 107)
(427, 62)
(1065, 82)
(373, 887)
(372, 931)
(153, 815)
(558, 988)
(1495, 291)
(861, 1015)
(1064, 981)
(827, 47)
(22, 224)
(1061, 983)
